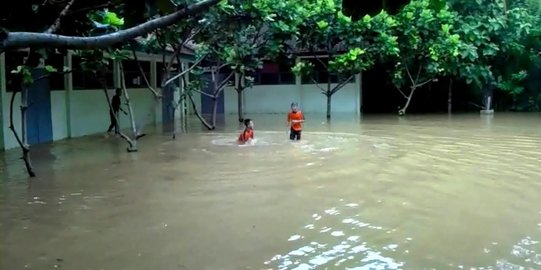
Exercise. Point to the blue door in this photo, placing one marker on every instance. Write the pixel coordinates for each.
(39, 126)
(206, 102)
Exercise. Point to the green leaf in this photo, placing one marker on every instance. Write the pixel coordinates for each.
(111, 18)
(322, 25)
(50, 69)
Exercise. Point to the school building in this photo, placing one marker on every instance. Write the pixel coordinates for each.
(74, 104)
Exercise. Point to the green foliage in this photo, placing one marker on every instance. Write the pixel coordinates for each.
(242, 33)
(427, 41)
(352, 46)
(26, 74)
(500, 42)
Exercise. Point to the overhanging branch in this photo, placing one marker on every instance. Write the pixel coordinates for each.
(31, 39)
(62, 14)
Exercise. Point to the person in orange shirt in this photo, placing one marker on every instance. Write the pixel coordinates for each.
(295, 119)
(248, 134)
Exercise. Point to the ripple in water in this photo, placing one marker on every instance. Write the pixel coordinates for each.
(345, 249)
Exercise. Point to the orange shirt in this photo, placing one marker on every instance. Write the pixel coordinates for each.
(295, 116)
(246, 135)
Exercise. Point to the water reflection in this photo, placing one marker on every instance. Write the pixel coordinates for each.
(343, 248)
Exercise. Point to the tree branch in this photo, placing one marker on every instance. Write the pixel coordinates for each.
(182, 73)
(409, 74)
(418, 73)
(30, 39)
(423, 83)
(317, 84)
(156, 95)
(24, 147)
(404, 95)
(51, 74)
(318, 59)
(223, 84)
(341, 84)
(205, 123)
(62, 14)
(203, 93)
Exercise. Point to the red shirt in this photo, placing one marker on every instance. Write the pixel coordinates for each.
(246, 135)
(295, 116)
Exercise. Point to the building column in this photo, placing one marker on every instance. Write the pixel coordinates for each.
(3, 116)
(154, 83)
(359, 93)
(298, 84)
(68, 85)
(116, 75)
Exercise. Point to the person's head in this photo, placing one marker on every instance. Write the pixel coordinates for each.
(248, 123)
(118, 92)
(294, 106)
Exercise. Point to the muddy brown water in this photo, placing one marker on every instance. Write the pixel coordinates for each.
(422, 192)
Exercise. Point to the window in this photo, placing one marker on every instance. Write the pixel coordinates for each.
(133, 76)
(321, 74)
(274, 74)
(84, 80)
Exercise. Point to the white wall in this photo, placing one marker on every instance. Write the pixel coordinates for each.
(59, 115)
(265, 99)
(89, 113)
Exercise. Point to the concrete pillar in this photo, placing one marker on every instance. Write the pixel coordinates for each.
(359, 93)
(154, 83)
(116, 74)
(3, 116)
(68, 83)
(298, 85)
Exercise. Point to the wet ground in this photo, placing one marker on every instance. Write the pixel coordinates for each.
(422, 192)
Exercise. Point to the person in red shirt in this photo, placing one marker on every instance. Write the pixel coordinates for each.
(295, 119)
(248, 134)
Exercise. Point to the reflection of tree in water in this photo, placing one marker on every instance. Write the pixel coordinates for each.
(345, 249)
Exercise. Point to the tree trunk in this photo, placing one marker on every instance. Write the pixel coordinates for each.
(214, 111)
(239, 86)
(126, 138)
(239, 106)
(22, 143)
(133, 146)
(405, 108)
(329, 96)
(205, 123)
(450, 97)
(216, 94)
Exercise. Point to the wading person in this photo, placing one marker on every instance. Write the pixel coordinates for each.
(247, 135)
(295, 119)
(114, 110)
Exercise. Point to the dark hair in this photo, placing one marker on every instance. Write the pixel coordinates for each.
(294, 104)
(247, 121)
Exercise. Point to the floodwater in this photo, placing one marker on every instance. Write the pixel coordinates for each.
(422, 192)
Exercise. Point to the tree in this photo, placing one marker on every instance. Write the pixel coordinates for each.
(501, 40)
(427, 46)
(244, 33)
(26, 71)
(344, 48)
(103, 30)
(10, 40)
